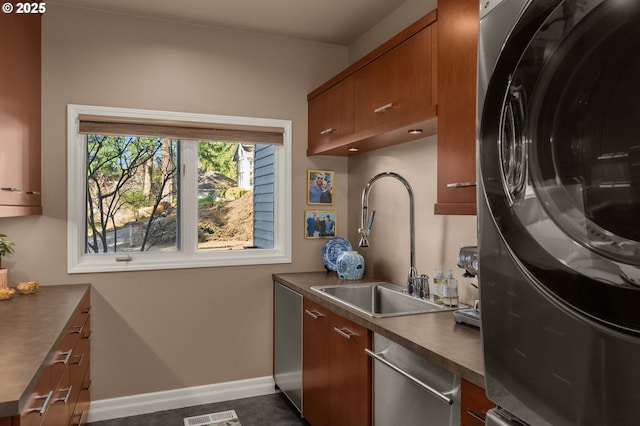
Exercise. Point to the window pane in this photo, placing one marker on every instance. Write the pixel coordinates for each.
(225, 195)
(132, 194)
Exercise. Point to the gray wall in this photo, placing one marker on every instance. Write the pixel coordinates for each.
(171, 329)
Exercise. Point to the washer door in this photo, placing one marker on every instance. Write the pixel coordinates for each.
(560, 153)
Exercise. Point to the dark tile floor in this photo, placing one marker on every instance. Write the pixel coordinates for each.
(265, 410)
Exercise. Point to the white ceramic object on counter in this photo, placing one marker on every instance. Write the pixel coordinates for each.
(350, 265)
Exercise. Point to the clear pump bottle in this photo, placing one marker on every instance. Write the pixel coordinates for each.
(439, 281)
(450, 292)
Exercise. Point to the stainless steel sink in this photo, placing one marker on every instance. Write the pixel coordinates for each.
(379, 299)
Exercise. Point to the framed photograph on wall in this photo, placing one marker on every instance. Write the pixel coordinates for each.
(320, 223)
(320, 187)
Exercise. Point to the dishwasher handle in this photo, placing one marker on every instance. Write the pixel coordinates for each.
(380, 357)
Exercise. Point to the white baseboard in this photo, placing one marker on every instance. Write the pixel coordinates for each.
(113, 408)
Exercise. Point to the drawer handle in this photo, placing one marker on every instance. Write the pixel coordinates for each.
(11, 188)
(66, 397)
(33, 192)
(42, 409)
(327, 131)
(79, 415)
(460, 184)
(440, 395)
(77, 329)
(78, 359)
(86, 310)
(313, 314)
(343, 332)
(86, 385)
(383, 108)
(477, 415)
(64, 361)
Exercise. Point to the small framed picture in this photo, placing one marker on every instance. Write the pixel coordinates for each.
(320, 187)
(320, 223)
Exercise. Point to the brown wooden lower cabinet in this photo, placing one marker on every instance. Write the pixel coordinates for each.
(336, 373)
(61, 396)
(474, 404)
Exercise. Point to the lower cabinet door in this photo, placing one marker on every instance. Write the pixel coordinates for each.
(315, 363)
(349, 373)
(336, 372)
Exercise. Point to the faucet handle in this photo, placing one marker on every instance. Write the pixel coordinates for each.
(424, 286)
(411, 281)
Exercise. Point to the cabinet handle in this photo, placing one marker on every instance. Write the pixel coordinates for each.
(440, 395)
(65, 361)
(313, 314)
(327, 131)
(43, 408)
(66, 397)
(460, 184)
(33, 192)
(86, 310)
(86, 385)
(343, 332)
(77, 329)
(477, 415)
(383, 108)
(11, 188)
(78, 359)
(79, 415)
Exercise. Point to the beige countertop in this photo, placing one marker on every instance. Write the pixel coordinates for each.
(434, 336)
(31, 327)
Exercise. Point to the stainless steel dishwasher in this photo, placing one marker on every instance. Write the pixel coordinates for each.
(409, 390)
(287, 343)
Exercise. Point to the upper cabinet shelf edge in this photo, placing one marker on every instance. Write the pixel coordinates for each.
(374, 102)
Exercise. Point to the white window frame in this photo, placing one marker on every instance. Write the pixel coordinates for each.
(187, 255)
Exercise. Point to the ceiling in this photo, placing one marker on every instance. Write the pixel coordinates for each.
(329, 21)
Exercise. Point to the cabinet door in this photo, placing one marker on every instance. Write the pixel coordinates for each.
(350, 373)
(20, 111)
(474, 405)
(331, 116)
(457, 55)
(395, 89)
(315, 363)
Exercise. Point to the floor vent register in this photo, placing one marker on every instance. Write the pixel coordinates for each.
(223, 418)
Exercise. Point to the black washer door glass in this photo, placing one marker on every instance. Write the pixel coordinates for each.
(560, 153)
(585, 127)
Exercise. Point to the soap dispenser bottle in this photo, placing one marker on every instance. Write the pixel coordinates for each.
(439, 281)
(450, 292)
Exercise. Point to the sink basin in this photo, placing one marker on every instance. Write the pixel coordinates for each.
(379, 299)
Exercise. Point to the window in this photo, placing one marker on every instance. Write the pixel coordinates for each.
(162, 190)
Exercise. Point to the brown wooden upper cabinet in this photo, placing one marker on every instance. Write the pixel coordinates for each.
(457, 56)
(376, 102)
(20, 115)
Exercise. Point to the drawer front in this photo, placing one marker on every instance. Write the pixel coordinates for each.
(39, 401)
(81, 408)
(475, 405)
